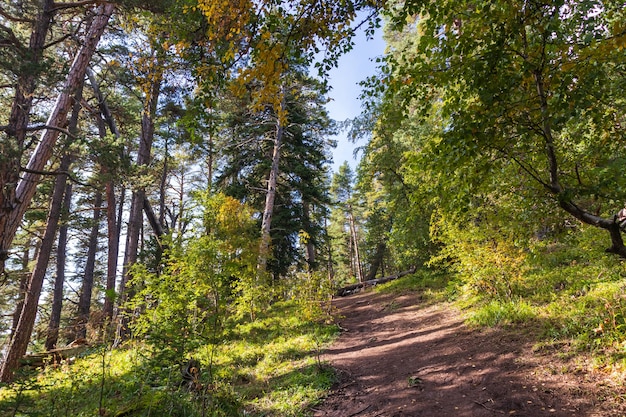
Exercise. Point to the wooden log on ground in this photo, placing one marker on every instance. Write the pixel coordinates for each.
(351, 289)
(54, 355)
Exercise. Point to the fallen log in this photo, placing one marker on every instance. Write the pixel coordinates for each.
(54, 356)
(352, 288)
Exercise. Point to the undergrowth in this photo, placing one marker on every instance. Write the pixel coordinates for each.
(268, 367)
(562, 292)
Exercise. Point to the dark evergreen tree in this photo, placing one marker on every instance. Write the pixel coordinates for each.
(301, 190)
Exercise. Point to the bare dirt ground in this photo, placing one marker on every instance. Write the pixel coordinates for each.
(399, 356)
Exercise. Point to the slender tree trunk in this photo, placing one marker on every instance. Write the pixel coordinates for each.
(19, 343)
(12, 146)
(24, 277)
(54, 323)
(209, 164)
(377, 261)
(331, 267)
(84, 300)
(113, 220)
(15, 204)
(309, 254)
(52, 334)
(113, 251)
(135, 221)
(163, 183)
(355, 245)
(270, 197)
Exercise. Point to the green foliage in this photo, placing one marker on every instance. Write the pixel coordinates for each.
(485, 264)
(183, 306)
(266, 367)
(499, 313)
(498, 104)
(301, 190)
(430, 282)
(313, 292)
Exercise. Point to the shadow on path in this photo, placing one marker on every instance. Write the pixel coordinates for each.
(399, 358)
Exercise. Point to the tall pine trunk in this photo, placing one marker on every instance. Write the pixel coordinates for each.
(15, 203)
(135, 221)
(113, 239)
(104, 119)
(270, 197)
(355, 253)
(52, 334)
(12, 145)
(19, 342)
(24, 277)
(84, 300)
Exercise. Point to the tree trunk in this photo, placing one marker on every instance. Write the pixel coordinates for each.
(15, 204)
(355, 245)
(270, 197)
(309, 254)
(84, 300)
(24, 277)
(19, 343)
(54, 323)
(350, 289)
(113, 251)
(377, 261)
(135, 221)
(12, 146)
(611, 225)
(113, 231)
(52, 334)
(163, 183)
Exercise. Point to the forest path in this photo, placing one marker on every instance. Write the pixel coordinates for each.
(400, 356)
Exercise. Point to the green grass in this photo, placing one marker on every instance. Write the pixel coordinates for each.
(498, 313)
(269, 367)
(570, 294)
(431, 283)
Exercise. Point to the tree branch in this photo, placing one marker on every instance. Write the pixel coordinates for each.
(12, 18)
(55, 173)
(46, 127)
(64, 6)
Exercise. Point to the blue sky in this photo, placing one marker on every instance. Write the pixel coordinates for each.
(353, 68)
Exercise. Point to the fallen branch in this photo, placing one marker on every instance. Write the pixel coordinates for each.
(53, 356)
(360, 411)
(489, 409)
(349, 289)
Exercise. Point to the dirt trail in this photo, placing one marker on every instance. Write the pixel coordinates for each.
(399, 357)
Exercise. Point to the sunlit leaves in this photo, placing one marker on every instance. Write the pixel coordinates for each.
(203, 279)
(256, 41)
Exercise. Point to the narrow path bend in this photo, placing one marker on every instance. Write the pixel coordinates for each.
(400, 357)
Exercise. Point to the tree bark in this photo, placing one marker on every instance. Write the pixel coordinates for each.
(52, 334)
(355, 245)
(377, 261)
(84, 300)
(19, 343)
(113, 251)
(135, 221)
(54, 323)
(24, 277)
(26, 189)
(15, 204)
(270, 197)
(12, 146)
(113, 232)
(309, 254)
